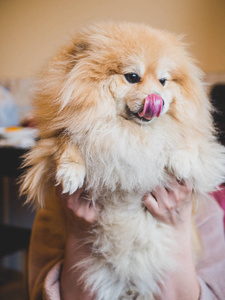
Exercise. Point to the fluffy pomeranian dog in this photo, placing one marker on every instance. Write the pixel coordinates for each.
(123, 107)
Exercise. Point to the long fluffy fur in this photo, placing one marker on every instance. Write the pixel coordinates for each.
(86, 133)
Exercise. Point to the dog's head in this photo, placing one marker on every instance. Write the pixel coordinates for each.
(125, 91)
(126, 71)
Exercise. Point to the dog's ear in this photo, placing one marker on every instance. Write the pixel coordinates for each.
(191, 102)
(77, 50)
(60, 86)
(80, 46)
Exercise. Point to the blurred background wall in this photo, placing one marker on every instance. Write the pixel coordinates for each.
(32, 30)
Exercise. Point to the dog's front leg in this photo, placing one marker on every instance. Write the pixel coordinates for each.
(70, 168)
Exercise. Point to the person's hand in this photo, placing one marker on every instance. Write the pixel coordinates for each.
(79, 210)
(173, 206)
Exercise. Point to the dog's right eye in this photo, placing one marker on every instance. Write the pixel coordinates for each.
(132, 77)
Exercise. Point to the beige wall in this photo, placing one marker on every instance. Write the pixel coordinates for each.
(32, 30)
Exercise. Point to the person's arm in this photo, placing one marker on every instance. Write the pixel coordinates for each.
(173, 206)
(80, 214)
(57, 228)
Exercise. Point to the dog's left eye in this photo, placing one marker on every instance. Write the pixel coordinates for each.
(162, 81)
(132, 77)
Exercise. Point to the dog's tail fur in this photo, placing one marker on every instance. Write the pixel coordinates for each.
(38, 177)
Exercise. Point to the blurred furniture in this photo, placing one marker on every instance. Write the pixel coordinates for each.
(13, 238)
(10, 161)
(217, 96)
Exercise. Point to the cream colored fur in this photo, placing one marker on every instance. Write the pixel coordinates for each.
(86, 134)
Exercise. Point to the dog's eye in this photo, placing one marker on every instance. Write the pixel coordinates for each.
(132, 77)
(162, 81)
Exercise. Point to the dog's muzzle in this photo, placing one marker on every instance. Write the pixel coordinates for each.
(153, 105)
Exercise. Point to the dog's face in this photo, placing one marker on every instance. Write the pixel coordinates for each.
(144, 88)
(126, 71)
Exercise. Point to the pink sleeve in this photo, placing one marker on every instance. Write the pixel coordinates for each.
(206, 293)
(220, 198)
(211, 267)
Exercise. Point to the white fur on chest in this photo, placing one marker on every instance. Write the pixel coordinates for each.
(117, 158)
(131, 250)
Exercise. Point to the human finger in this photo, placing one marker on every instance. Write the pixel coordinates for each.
(164, 198)
(68, 200)
(179, 191)
(79, 203)
(151, 203)
(86, 209)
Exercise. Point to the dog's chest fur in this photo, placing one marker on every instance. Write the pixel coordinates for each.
(126, 159)
(130, 250)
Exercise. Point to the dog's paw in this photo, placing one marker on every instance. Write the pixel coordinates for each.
(71, 176)
(183, 165)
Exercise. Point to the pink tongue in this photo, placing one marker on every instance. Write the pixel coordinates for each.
(152, 107)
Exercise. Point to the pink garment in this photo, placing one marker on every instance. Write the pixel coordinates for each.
(48, 241)
(220, 198)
